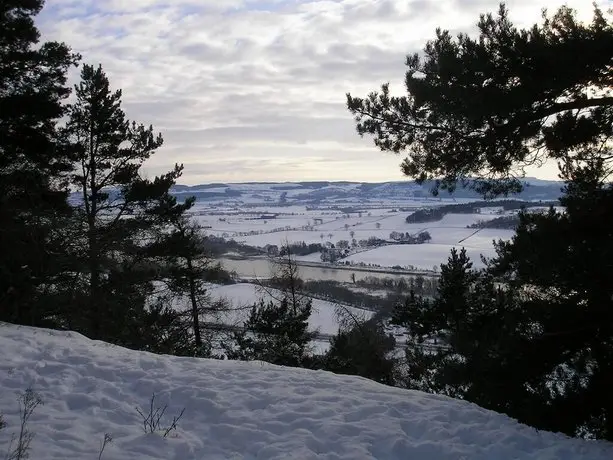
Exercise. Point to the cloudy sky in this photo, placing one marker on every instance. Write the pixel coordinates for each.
(254, 90)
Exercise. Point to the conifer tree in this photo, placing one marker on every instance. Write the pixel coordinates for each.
(362, 348)
(539, 347)
(479, 110)
(401, 313)
(32, 196)
(120, 212)
(456, 280)
(471, 322)
(561, 262)
(275, 332)
(189, 270)
(188, 265)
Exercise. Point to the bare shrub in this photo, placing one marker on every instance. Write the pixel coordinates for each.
(152, 419)
(19, 446)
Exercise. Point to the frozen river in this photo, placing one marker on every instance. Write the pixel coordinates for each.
(261, 268)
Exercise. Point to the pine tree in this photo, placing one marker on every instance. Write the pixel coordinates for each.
(188, 263)
(457, 279)
(285, 278)
(496, 346)
(561, 262)
(443, 318)
(447, 320)
(276, 333)
(404, 313)
(400, 312)
(539, 347)
(362, 348)
(120, 212)
(474, 112)
(32, 196)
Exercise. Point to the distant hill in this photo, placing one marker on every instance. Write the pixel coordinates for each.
(327, 192)
(317, 191)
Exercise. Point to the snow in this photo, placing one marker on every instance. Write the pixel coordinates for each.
(236, 224)
(295, 224)
(483, 239)
(323, 319)
(236, 410)
(314, 257)
(451, 231)
(422, 256)
(280, 238)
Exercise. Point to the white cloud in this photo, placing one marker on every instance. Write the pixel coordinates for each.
(255, 89)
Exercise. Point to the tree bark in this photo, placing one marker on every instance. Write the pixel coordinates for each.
(92, 234)
(193, 296)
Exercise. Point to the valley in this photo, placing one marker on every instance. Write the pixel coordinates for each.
(360, 223)
(352, 243)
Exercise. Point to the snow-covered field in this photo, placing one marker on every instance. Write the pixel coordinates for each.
(421, 256)
(436, 251)
(323, 318)
(259, 216)
(236, 410)
(449, 232)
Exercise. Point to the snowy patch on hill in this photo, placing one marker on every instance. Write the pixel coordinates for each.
(423, 256)
(314, 257)
(323, 319)
(237, 410)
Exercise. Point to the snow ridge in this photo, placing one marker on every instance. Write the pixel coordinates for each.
(244, 410)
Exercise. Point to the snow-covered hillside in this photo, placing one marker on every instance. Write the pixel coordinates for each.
(342, 191)
(324, 318)
(243, 410)
(422, 256)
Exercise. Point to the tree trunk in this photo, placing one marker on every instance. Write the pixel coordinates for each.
(291, 275)
(92, 235)
(94, 287)
(193, 296)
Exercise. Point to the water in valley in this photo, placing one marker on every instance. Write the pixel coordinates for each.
(261, 268)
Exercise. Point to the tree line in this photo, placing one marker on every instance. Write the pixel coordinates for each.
(121, 263)
(502, 222)
(437, 213)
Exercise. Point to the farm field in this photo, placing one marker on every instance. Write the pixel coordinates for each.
(422, 256)
(262, 215)
(449, 232)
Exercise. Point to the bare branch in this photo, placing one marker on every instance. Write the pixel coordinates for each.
(107, 440)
